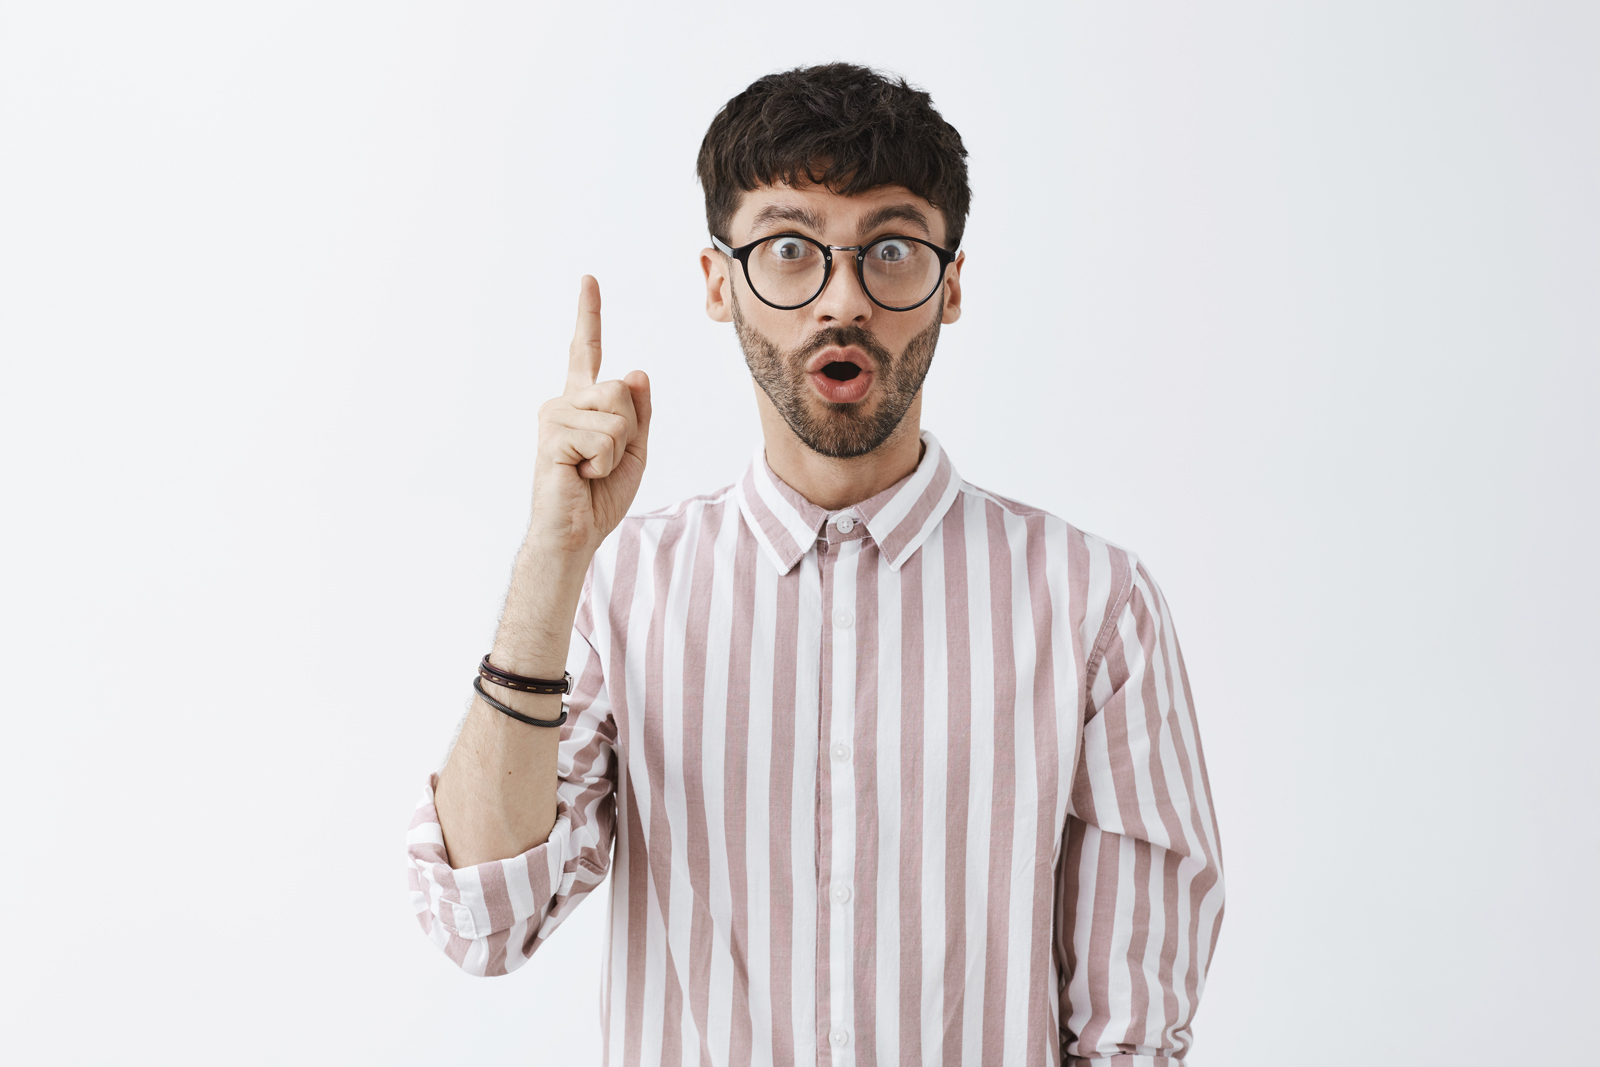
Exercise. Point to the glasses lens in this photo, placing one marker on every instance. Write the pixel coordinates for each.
(899, 272)
(787, 270)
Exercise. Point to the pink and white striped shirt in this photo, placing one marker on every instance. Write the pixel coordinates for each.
(915, 782)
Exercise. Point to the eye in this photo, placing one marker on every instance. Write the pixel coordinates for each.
(893, 250)
(789, 248)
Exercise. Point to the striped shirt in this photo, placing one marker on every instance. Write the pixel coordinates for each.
(914, 782)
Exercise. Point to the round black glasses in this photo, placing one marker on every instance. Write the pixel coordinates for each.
(789, 270)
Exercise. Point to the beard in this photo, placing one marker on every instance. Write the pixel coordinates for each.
(839, 431)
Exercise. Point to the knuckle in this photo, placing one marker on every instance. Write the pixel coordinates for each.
(554, 441)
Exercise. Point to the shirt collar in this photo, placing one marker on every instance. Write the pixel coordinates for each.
(899, 519)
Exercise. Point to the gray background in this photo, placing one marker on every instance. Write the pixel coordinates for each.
(1298, 301)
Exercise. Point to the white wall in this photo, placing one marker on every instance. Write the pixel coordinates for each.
(1299, 301)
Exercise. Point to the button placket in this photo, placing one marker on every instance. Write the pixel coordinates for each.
(842, 578)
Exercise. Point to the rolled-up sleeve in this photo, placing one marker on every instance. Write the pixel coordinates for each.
(491, 917)
(1139, 892)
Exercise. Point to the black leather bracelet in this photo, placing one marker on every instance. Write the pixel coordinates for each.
(490, 673)
(477, 683)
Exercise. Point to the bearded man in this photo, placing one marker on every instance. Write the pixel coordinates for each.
(885, 769)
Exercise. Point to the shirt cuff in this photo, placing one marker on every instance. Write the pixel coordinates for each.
(476, 902)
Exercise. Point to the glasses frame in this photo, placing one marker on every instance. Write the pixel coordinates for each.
(946, 256)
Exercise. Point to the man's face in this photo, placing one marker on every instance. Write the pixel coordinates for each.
(841, 371)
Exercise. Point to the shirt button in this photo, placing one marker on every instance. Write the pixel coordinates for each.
(843, 619)
(841, 753)
(840, 1037)
(841, 894)
(844, 524)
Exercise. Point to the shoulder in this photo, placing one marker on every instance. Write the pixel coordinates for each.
(1077, 548)
(689, 510)
(649, 531)
(1095, 576)
(641, 551)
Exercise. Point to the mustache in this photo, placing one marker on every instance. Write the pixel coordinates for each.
(844, 337)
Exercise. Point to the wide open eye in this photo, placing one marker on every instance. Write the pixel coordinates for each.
(786, 270)
(788, 249)
(894, 250)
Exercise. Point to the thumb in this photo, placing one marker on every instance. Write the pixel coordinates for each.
(638, 383)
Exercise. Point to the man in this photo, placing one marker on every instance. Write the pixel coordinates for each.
(892, 770)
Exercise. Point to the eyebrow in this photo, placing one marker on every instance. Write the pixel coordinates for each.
(804, 216)
(787, 213)
(896, 213)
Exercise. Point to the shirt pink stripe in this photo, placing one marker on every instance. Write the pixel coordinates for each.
(1072, 875)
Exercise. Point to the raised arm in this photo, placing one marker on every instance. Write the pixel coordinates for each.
(496, 797)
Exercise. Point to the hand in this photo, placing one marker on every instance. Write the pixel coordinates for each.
(591, 445)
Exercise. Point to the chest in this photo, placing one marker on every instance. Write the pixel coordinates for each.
(848, 696)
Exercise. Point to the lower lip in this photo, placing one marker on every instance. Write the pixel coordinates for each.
(836, 392)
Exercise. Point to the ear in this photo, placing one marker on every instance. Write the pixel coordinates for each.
(952, 290)
(719, 293)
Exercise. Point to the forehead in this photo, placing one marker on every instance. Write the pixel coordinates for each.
(833, 213)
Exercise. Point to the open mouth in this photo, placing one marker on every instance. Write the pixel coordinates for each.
(841, 374)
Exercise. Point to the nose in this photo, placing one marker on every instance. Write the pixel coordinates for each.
(842, 299)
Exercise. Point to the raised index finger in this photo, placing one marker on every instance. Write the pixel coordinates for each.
(583, 362)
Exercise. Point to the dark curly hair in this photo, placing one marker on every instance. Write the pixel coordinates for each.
(839, 125)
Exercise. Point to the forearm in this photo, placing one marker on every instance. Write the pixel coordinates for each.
(496, 796)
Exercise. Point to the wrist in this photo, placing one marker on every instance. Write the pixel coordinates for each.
(556, 552)
(541, 660)
(552, 564)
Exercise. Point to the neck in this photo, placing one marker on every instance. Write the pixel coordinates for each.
(840, 483)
